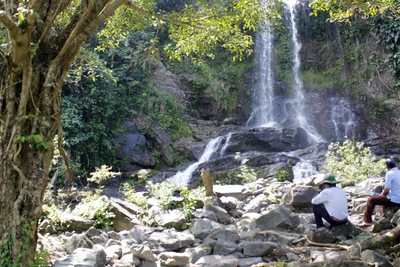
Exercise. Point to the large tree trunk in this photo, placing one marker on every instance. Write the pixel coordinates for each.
(30, 114)
(31, 77)
(26, 152)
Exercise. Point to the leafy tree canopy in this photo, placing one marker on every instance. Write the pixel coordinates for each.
(343, 10)
(195, 29)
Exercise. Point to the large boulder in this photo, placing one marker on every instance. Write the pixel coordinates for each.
(133, 151)
(279, 217)
(83, 257)
(267, 139)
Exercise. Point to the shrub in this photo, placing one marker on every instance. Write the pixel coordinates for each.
(282, 175)
(351, 162)
(127, 189)
(96, 209)
(166, 193)
(91, 204)
(242, 175)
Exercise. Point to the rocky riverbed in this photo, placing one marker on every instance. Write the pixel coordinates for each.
(264, 223)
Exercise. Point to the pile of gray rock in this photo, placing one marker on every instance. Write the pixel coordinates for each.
(265, 223)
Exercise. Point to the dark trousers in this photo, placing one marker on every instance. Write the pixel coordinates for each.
(372, 202)
(320, 212)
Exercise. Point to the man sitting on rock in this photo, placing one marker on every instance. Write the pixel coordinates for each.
(390, 195)
(330, 203)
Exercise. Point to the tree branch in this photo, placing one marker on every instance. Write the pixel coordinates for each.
(51, 15)
(380, 78)
(103, 15)
(8, 22)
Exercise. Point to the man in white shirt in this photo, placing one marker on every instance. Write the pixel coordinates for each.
(390, 195)
(330, 204)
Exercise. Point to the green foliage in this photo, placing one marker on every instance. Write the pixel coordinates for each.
(42, 259)
(92, 115)
(242, 175)
(343, 10)
(102, 174)
(91, 205)
(163, 107)
(271, 192)
(351, 162)
(8, 240)
(189, 202)
(223, 81)
(387, 29)
(317, 80)
(100, 93)
(369, 77)
(281, 264)
(282, 51)
(216, 24)
(36, 140)
(164, 192)
(319, 39)
(127, 189)
(127, 20)
(88, 65)
(282, 175)
(95, 208)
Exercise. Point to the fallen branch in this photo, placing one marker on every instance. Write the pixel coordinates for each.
(377, 241)
(329, 245)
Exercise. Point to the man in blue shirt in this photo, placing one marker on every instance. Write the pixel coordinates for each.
(390, 195)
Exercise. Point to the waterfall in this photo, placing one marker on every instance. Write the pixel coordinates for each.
(263, 97)
(298, 100)
(268, 110)
(343, 119)
(183, 178)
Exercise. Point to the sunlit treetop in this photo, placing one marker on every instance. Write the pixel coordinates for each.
(195, 30)
(343, 10)
(228, 24)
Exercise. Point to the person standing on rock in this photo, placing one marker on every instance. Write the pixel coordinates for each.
(390, 195)
(330, 204)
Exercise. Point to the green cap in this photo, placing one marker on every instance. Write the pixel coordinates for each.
(329, 179)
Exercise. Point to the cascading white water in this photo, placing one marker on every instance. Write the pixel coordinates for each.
(183, 178)
(303, 170)
(298, 100)
(223, 149)
(266, 111)
(343, 119)
(263, 113)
